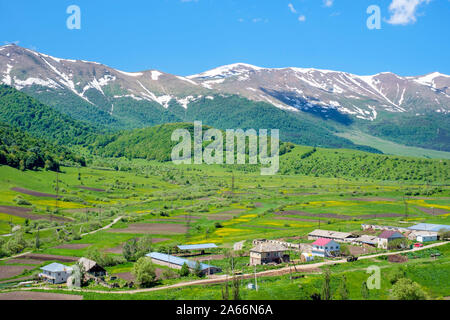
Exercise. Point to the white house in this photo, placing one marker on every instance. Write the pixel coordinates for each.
(325, 248)
(56, 273)
(387, 236)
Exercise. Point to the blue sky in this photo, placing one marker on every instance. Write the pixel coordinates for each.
(186, 37)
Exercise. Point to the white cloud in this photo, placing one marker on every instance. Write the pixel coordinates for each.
(404, 12)
(302, 18)
(328, 3)
(291, 7)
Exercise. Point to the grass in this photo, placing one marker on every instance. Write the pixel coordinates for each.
(389, 147)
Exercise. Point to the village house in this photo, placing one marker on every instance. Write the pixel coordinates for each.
(55, 273)
(332, 235)
(388, 236)
(92, 268)
(325, 248)
(267, 252)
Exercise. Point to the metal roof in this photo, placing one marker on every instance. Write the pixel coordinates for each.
(197, 246)
(388, 234)
(177, 260)
(322, 242)
(329, 234)
(269, 247)
(56, 267)
(429, 227)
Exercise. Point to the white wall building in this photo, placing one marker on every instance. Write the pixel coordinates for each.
(56, 273)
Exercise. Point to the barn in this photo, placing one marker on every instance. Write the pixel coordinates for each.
(177, 262)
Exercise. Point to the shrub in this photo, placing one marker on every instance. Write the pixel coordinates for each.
(184, 271)
(144, 272)
(406, 289)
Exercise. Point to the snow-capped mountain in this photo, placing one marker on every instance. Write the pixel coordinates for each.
(324, 90)
(329, 94)
(94, 83)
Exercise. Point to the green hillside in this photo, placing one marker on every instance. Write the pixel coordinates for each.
(229, 112)
(41, 121)
(356, 164)
(155, 144)
(20, 150)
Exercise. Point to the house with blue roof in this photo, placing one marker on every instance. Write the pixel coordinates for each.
(55, 273)
(177, 262)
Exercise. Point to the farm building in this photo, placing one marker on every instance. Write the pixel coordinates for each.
(55, 273)
(332, 235)
(92, 268)
(325, 248)
(367, 240)
(387, 236)
(429, 227)
(267, 252)
(423, 236)
(177, 262)
(194, 247)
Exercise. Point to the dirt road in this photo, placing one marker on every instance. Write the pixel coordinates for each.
(224, 278)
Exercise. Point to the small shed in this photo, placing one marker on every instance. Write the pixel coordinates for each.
(92, 268)
(306, 257)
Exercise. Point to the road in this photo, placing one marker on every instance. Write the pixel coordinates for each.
(224, 278)
(82, 235)
(104, 228)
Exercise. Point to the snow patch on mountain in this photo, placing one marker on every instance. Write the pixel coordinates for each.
(49, 83)
(7, 78)
(131, 74)
(188, 80)
(155, 75)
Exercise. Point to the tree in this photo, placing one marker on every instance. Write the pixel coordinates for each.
(397, 244)
(144, 272)
(326, 291)
(144, 246)
(235, 288)
(37, 242)
(184, 271)
(364, 291)
(198, 270)
(79, 275)
(129, 250)
(406, 289)
(444, 234)
(226, 293)
(343, 290)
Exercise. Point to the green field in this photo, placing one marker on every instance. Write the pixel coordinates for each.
(389, 147)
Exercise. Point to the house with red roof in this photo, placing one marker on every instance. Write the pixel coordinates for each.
(323, 247)
(387, 236)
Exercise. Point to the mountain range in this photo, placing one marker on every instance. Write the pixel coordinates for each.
(309, 106)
